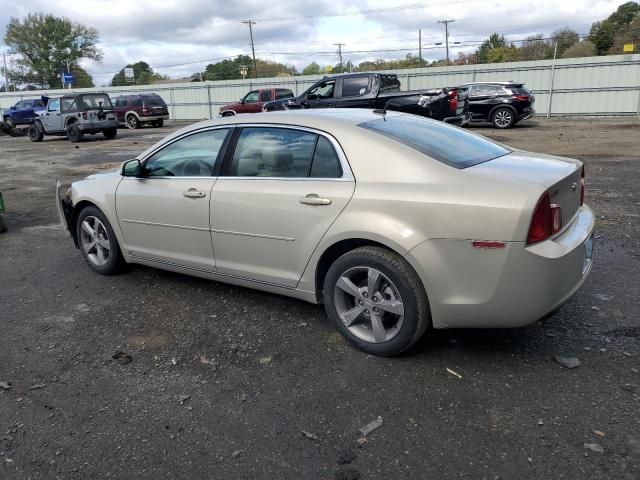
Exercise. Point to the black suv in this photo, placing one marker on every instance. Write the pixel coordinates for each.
(502, 103)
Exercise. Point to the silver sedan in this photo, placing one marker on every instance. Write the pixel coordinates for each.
(395, 223)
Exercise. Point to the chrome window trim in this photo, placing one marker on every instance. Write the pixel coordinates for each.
(347, 173)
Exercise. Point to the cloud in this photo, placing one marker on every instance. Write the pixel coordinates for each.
(169, 32)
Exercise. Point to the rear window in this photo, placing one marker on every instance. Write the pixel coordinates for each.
(153, 101)
(94, 101)
(389, 83)
(450, 145)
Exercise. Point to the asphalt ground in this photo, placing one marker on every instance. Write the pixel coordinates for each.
(224, 382)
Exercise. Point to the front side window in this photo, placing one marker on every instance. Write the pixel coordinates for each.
(21, 104)
(273, 152)
(322, 90)
(251, 97)
(192, 156)
(355, 86)
(54, 105)
(38, 103)
(121, 102)
(450, 145)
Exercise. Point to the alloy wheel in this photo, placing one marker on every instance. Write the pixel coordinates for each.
(369, 304)
(503, 118)
(95, 241)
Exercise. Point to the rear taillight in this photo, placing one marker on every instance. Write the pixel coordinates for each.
(582, 187)
(453, 100)
(522, 98)
(546, 220)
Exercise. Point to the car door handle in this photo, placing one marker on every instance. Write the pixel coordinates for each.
(313, 199)
(331, 104)
(193, 193)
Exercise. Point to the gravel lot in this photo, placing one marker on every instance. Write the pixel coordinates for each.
(224, 381)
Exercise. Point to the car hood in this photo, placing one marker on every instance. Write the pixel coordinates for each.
(230, 106)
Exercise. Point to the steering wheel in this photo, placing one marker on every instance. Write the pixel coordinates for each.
(190, 167)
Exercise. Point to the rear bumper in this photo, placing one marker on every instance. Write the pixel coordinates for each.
(527, 115)
(509, 287)
(459, 120)
(99, 125)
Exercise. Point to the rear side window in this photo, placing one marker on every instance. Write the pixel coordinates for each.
(282, 94)
(38, 103)
(273, 152)
(450, 145)
(355, 86)
(137, 102)
(68, 105)
(265, 95)
(389, 83)
(326, 163)
(121, 102)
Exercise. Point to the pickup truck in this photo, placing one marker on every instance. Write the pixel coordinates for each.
(23, 112)
(378, 91)
(74, 116)
(253, 101)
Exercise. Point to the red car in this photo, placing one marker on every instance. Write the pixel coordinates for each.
(136, 110)
(253, 101)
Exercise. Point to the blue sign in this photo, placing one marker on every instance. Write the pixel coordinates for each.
(68, 78)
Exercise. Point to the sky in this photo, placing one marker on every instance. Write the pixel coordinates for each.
(180, 37)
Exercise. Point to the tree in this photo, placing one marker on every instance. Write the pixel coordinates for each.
(495, 40)
(82, 79)
(139, 68)
(630, 35)
(564, 38)
(535, 47)
(45, 43)
(466, 58)
(503, 54)
(603, 33)
(584, 48)
(312, 69)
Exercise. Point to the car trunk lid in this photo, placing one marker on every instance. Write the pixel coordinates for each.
(561, 177)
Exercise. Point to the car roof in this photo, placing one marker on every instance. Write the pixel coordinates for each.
(492, 83)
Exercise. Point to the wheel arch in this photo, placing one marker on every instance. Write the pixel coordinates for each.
(77, 208)
(132, 112)
(504, 105)
(335, 251)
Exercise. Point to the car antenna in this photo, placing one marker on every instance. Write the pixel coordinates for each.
(381, 111)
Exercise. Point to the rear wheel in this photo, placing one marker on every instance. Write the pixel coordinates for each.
(97, 242)
(110, 133)
(503, 118)
(35, 133)
(158, 123)
(376, 300)
(74, 133)
(132, 122)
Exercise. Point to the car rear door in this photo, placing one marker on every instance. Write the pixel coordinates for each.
(280, 190)
(482, 99)
(164, 215)
(356, 92)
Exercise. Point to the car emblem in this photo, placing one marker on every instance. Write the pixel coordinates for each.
(574, 186)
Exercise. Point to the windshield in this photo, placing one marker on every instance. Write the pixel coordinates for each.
(93, 101)
(445, 143)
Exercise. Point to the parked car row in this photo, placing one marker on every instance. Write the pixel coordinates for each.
(501, 103)
(75, 115)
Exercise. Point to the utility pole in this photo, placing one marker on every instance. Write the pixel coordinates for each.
(446, 34)
(420, 47)
(6, 73)
(253, 50)
(340, 45)
(68, 71)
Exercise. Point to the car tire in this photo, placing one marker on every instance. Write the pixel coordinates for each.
(74, 134)
(402, 307)
(132, 122)
(3, 225)
(100, 249)
(503, 118)
(110, 133)
(35, 133)
(158, 123)
(9, 123)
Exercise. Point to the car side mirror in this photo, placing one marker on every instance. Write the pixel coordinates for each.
(13, 107)
(242, 101)
(305, 104)
(131, 168)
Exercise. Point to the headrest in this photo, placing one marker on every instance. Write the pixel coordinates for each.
(277, 159)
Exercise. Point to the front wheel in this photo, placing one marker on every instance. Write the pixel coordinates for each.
(110, 133)
(35, 133)
(97, 242)
(503, 118)
(376, 300)
(9, 123)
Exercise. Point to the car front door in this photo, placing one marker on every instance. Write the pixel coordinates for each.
(279, 191)
(322, 95)
(52, 118)
(249, 103)
(164, 215)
